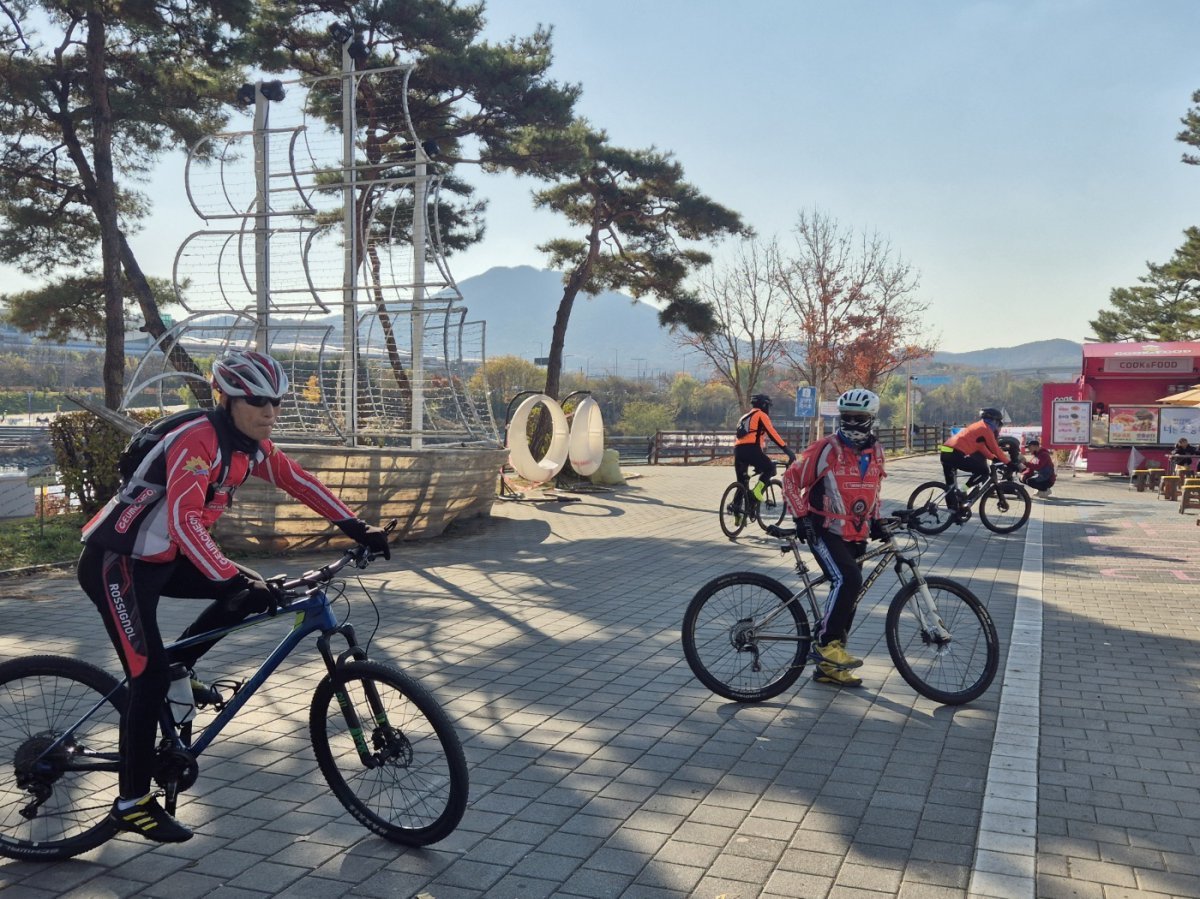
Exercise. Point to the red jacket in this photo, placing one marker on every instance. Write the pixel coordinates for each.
(838, 482)
(154, 523)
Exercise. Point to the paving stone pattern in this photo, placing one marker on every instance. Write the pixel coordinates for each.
(601, 768)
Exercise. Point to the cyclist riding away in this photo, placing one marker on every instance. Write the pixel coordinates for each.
(834, 493)
(970, 449)
(152, 539)
(753, 429)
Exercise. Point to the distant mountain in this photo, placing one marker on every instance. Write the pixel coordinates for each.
(608, 333)
(1037, 356)
(614, 331)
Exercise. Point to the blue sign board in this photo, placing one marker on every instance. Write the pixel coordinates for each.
(806, 402)
(932, 380)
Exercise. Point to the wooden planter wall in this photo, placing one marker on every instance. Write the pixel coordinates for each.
(425, 489)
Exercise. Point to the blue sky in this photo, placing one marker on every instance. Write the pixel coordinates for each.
(1021, 155)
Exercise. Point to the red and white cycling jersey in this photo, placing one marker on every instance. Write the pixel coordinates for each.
(844, 480)
(154, 523)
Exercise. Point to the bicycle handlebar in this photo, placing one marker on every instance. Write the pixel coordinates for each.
(359, 556)
(893, 522)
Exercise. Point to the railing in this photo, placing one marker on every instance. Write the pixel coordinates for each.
(693, 447)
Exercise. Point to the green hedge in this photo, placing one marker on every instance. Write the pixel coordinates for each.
(86, 450)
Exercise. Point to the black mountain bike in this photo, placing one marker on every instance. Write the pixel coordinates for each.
(741, 503)
(1004, 503)
(747, 637)
(388, 751)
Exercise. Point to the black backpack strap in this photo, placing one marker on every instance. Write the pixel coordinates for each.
(225, 440)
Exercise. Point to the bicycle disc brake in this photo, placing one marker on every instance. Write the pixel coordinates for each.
(391, 747)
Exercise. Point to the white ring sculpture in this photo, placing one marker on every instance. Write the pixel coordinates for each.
(520, 457)
(585, 448)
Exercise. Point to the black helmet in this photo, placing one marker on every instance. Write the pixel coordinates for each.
(991, 414)
(761, 401)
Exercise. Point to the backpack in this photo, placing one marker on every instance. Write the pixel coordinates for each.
(147, 437)
(743, 425)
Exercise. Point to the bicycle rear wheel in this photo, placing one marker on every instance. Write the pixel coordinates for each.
(407, 778)
(951, 667)
(41, 699)
(744, 637)
(735, 503)
(1014, 499)
(930, 499)
(772, 508)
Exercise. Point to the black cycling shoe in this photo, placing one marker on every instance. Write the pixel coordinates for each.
(147, 819)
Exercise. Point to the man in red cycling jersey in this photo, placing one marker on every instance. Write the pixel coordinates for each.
(833, 491)
(152, 539)
(753, 429)
(970, 449)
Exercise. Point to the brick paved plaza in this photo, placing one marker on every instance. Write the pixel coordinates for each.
(601, 768)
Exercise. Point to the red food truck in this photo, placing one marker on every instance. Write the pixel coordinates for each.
(1113, 414)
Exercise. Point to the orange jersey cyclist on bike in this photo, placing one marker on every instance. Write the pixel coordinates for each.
(970, 449)
(753, 429)
(833, 491)
(152, 539)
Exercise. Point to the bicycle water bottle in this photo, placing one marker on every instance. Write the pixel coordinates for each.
(179, 695)
(760, 490)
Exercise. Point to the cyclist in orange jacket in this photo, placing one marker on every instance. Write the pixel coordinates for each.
(970, 449)
(753, 429)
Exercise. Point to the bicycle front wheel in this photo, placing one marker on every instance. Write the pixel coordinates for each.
(1004, 507)
(735, 503)
(930, 499)
(772, 508)
(745, 637)
(952, 656)
(390, 753)
(60, 722)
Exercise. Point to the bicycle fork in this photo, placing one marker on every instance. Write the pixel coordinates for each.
(388, 744)
(933, 629)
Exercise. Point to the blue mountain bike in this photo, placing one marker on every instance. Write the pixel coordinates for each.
(386, 748)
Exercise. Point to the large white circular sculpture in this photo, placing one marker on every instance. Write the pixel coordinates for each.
(586, 446)
(520, 457)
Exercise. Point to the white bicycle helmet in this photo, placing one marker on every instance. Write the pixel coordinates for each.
(247, 373)
(857, 409)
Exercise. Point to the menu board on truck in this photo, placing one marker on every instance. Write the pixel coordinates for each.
(1132, 424)
(1179, 421)
(1072, 423)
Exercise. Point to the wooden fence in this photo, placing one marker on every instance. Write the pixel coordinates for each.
(692, 447)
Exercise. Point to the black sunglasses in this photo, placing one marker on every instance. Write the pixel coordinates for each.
(259, 401)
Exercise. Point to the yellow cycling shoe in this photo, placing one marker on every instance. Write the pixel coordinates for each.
(835, 654)
(838, 677)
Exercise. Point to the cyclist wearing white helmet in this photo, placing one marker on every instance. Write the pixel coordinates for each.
(751, 435)
(970, 449)
(152, 539)
(834, 493)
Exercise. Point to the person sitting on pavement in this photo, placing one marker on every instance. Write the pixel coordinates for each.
(1039, 471)
(834, 493)
(970, 449)
(753, 429)
(1183, 456)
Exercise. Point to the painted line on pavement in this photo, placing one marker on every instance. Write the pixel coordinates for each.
(1006, 847)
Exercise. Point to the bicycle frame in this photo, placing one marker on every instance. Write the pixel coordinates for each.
(886, 553)
(314, 613)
